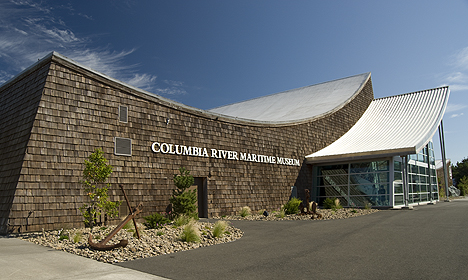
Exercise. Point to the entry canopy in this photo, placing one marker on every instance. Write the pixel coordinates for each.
(391, 126)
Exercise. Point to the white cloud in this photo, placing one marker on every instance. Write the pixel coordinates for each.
(454, 107)
(456, 115)
(104, 61)
(143, 81)
(29, 31)
(458, 87)
(174, 83)
(458, 79)
(171, 91)
(461, 58)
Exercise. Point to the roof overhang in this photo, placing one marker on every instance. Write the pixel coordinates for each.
(393, 126)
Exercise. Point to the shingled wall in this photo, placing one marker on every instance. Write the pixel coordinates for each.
(79, 112)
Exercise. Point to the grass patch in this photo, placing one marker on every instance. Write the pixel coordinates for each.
(219, 228)
(280, 214)
(190, 233)
(332, 203)
(245, 211)
(182, 220)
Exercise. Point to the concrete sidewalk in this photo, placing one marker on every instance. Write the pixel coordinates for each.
(24, 260)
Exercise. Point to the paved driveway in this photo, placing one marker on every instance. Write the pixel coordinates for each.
(426, 243)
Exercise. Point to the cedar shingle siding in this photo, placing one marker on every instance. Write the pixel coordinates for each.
(56, 113)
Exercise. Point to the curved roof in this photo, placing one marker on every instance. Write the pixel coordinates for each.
(391, 126)
(298, 104)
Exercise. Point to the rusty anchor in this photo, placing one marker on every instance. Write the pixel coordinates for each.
(103, 246)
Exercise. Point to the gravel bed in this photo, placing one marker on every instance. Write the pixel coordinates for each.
(154, 242)
(327, 214)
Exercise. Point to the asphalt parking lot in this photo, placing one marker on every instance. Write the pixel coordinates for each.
(428, 242)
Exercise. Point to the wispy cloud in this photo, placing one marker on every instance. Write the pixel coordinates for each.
(456, 115)
(458, 79)
(461, 58)
(143, 81)
(454, 107)
(30, 30)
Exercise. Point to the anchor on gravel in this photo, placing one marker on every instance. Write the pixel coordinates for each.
(103, 246)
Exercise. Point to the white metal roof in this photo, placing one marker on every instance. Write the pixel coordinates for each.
(395, 125)
(298, 104)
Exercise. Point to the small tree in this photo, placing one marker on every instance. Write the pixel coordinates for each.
(460, 170)
(95, 174)
(463, 186)
(184, 202)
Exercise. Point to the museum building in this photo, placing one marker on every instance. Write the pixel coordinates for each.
(333, 139)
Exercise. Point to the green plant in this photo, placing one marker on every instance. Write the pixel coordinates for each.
(280, 213)
(182, 220)
(292, 206)
(95, 174)
(463, 186)
(368, 206)
(78, 236)
(332, 203)
(155, 221)
(219, 228)
(159, 233)
(328, 203)
(338, 204)
(184, 201)
(190, 233)
(245, 211)
(128, 225)
(63, 234)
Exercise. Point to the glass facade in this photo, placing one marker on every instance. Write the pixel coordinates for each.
(355, 184)
(422, 180)
(378, 182)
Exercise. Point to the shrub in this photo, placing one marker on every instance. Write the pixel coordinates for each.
(328, 203)
(245, 211)
(184, 202)
(95, 174)
(219, 228)
(155, 221)
(190, 233)
(292, 206)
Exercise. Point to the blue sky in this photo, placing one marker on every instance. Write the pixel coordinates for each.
(211, 53)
